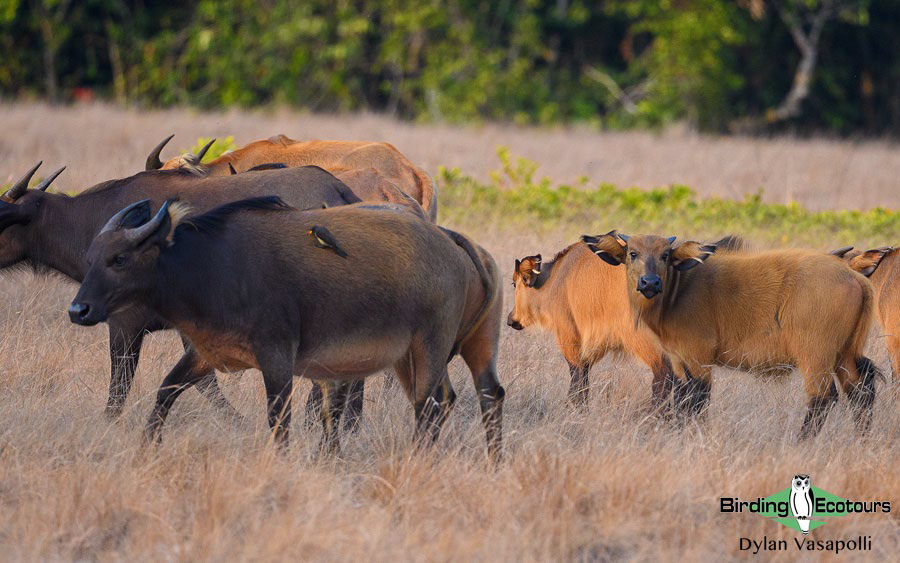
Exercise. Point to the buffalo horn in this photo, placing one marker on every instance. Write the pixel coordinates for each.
(19, 187)
(139, 234)
(45, 183)
(198, 158)
(115, 222)
(153, 161)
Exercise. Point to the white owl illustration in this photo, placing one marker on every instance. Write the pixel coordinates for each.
(803, 501)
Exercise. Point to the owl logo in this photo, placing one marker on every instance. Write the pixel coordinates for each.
(802, 501)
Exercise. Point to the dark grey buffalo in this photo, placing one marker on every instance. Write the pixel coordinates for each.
(251, 285)
(50, 231)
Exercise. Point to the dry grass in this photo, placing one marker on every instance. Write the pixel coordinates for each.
(608, 484)
(101, 142)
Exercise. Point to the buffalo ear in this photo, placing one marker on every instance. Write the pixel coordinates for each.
(867, 262)
(159, 231)
(12, 214)
(135, 217)
(609, 247)
(529, 268)
(690, 254)
(161, 235)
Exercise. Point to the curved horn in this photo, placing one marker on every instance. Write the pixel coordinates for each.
(132, 213)
(198, 158)
(839, 252)
(19, 187)
(153, 161)
(45, 183)
(139, 234)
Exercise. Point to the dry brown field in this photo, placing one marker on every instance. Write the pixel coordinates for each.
(608, 484)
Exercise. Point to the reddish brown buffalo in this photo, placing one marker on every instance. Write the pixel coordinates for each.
(752, 311)
(882, 267)
(340, 158)
(584, 304)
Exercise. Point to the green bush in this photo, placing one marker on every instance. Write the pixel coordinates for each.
(220, 147)
(619, 63)
(516, 198)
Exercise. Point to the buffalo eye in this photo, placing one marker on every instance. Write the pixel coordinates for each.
(665, 257)
(633, 255)
(119, 261)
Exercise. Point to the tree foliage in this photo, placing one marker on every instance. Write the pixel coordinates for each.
(620, 63)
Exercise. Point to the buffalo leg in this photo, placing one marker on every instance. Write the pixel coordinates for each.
(663, 382)
(208, 385)
(643, 346)
(432, 411)
(278, 375)
(692, 392)
(124, 353)
(490, 398)
(354, 404)
(479, 352)
(817, 411)
(354, 401)
(818, 381)
(334, 398)
(892, 341)
(313, 404)
(858, 382)
(423, 378)
(188, 371)
(579, 385)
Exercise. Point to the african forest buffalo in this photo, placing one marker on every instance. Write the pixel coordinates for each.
(753, 310)
(583, 302)
(344, 159)
(50, 231)
(251, 287)
(882, 267)
(374, 171)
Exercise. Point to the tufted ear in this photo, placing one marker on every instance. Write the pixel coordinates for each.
(610, 247)
(528, 269)
(867, 262)
(690, 254)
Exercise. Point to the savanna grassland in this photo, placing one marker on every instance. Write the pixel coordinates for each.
(609, 484)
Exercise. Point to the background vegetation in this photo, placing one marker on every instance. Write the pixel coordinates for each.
(514, 197)
(719, 65)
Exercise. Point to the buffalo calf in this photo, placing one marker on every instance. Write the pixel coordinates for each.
(882, 267)
(752, 311)
(584, 304)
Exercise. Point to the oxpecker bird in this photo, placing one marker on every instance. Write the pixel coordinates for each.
(324, 239)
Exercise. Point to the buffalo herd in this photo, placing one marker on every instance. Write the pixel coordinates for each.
(324, 259)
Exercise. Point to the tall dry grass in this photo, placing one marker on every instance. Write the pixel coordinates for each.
(608, 484)
(100, 142)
